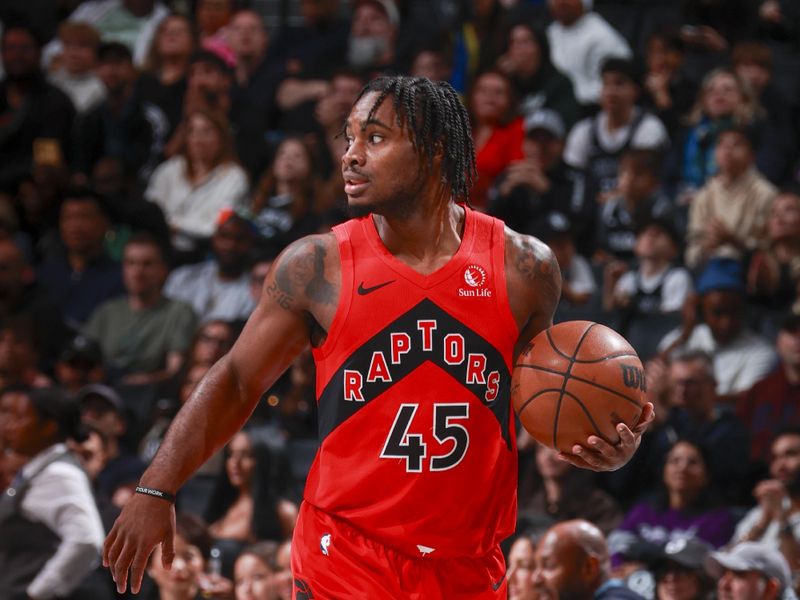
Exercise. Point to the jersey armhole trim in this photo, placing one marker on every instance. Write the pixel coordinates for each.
(345, 295)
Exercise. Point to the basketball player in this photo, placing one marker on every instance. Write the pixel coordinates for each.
(415, 311)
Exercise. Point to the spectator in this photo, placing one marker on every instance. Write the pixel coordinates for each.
(213, 340)
(285, 199)
(80, 364)
(212, 18)
(728, 214)
(537, 83)
(637, 200)
(751, 571)
(656, 286)
(774, 268)
(256, 79)
(163, 80)
(373, 36)
(775, 522)
(496, 129)
(581, 41)
(753, 63)
(596, 144)
(679, 571)
(52, 534)
(521, 565)
(247, 503)
(254, 572)
(122, 125)
(775, 400)
(779, 20)
(144, 336)
(35, 117)
(283, 572)
(694, 412)
(75, 76)
(259, 269)
(129, 22)
(195, 185)
(432, 61)
(18, 354)
(741, 357)
(723, 101)
(684, 506)
(540, 182)
(668, 92)
(558, 497)
(219, 287)
(572, 562)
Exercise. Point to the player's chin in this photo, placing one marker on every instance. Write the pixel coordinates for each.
(359, 205)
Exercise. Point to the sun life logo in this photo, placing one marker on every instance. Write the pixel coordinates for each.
(474, 276)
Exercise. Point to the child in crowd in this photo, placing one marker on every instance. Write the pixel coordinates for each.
(638, 199)
(74, 74)
(578, 285)
(728, 214)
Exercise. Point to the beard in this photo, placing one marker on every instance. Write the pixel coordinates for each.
(400, 204)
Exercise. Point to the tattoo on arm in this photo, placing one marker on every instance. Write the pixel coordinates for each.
(303, 272)
(539, 267)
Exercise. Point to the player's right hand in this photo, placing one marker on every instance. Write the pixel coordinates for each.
(144, 522)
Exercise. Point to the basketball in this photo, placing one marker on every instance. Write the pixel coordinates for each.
(577, 379)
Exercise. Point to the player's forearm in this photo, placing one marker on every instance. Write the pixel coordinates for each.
(217, 408)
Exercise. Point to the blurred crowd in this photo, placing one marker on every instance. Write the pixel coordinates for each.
(156, 156)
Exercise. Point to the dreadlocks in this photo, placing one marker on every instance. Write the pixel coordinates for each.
(437, 122)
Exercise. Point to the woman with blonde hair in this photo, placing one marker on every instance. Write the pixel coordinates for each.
(198, 182)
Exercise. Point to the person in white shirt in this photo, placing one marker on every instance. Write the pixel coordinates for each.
(580, 42)
(51, 531)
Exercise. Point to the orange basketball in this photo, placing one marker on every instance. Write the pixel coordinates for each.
(577, 379)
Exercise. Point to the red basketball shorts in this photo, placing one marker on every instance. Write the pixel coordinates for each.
(333, 561)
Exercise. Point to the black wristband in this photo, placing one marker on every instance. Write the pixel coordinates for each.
(148, 491)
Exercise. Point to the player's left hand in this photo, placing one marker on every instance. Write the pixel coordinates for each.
(599, 455)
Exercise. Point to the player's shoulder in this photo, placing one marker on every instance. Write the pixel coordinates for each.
(531, 267)
(308, 270)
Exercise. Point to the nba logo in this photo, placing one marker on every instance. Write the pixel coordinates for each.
(325, 543)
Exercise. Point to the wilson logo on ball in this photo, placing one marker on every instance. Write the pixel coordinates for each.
(474, 276)
(633, 377)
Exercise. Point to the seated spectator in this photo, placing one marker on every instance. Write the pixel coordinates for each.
(751, 571)
(775, 522)
(774, 267)
(537, 83)
(52, 534)
(433, 61)
(284, 201)
(195, 185)
(521, 564)
(679, 570)
(372, 45)
(259, 268)
(19, 356)
(283, 572)
(540, 182)
(163, 79)
(596, 144)
(558, 497)
(219, 288)
(213, 340)
(572, 561)
(496, 130)
(75, 74)
(774, 401)
(753, 63)
(247, 505)
(144, 335)
(254, 572)
(656, 285)
(580, 42)
(81, 276)
(722, 102)
(34, 115)
(212, 18)
(667, 92)
(741, 357)
(728, 214)
(684, 506)
(577, 280)
(80, 363)
(130, 22)
(102, 409)
(636, 200)
(122, 125)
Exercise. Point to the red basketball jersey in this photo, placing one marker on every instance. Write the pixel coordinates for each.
(417, 436)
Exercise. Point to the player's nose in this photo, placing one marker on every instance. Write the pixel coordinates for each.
(354, 155)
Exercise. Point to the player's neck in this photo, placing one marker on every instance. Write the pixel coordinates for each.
(425, 239)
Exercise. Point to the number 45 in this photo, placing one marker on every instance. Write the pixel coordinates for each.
(401, 444)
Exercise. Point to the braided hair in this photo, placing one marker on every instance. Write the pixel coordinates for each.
(437, 121)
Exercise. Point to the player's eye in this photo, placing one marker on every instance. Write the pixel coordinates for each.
(374, 138)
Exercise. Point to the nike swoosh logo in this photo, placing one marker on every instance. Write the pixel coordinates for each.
(362, 291)
(496, 586)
